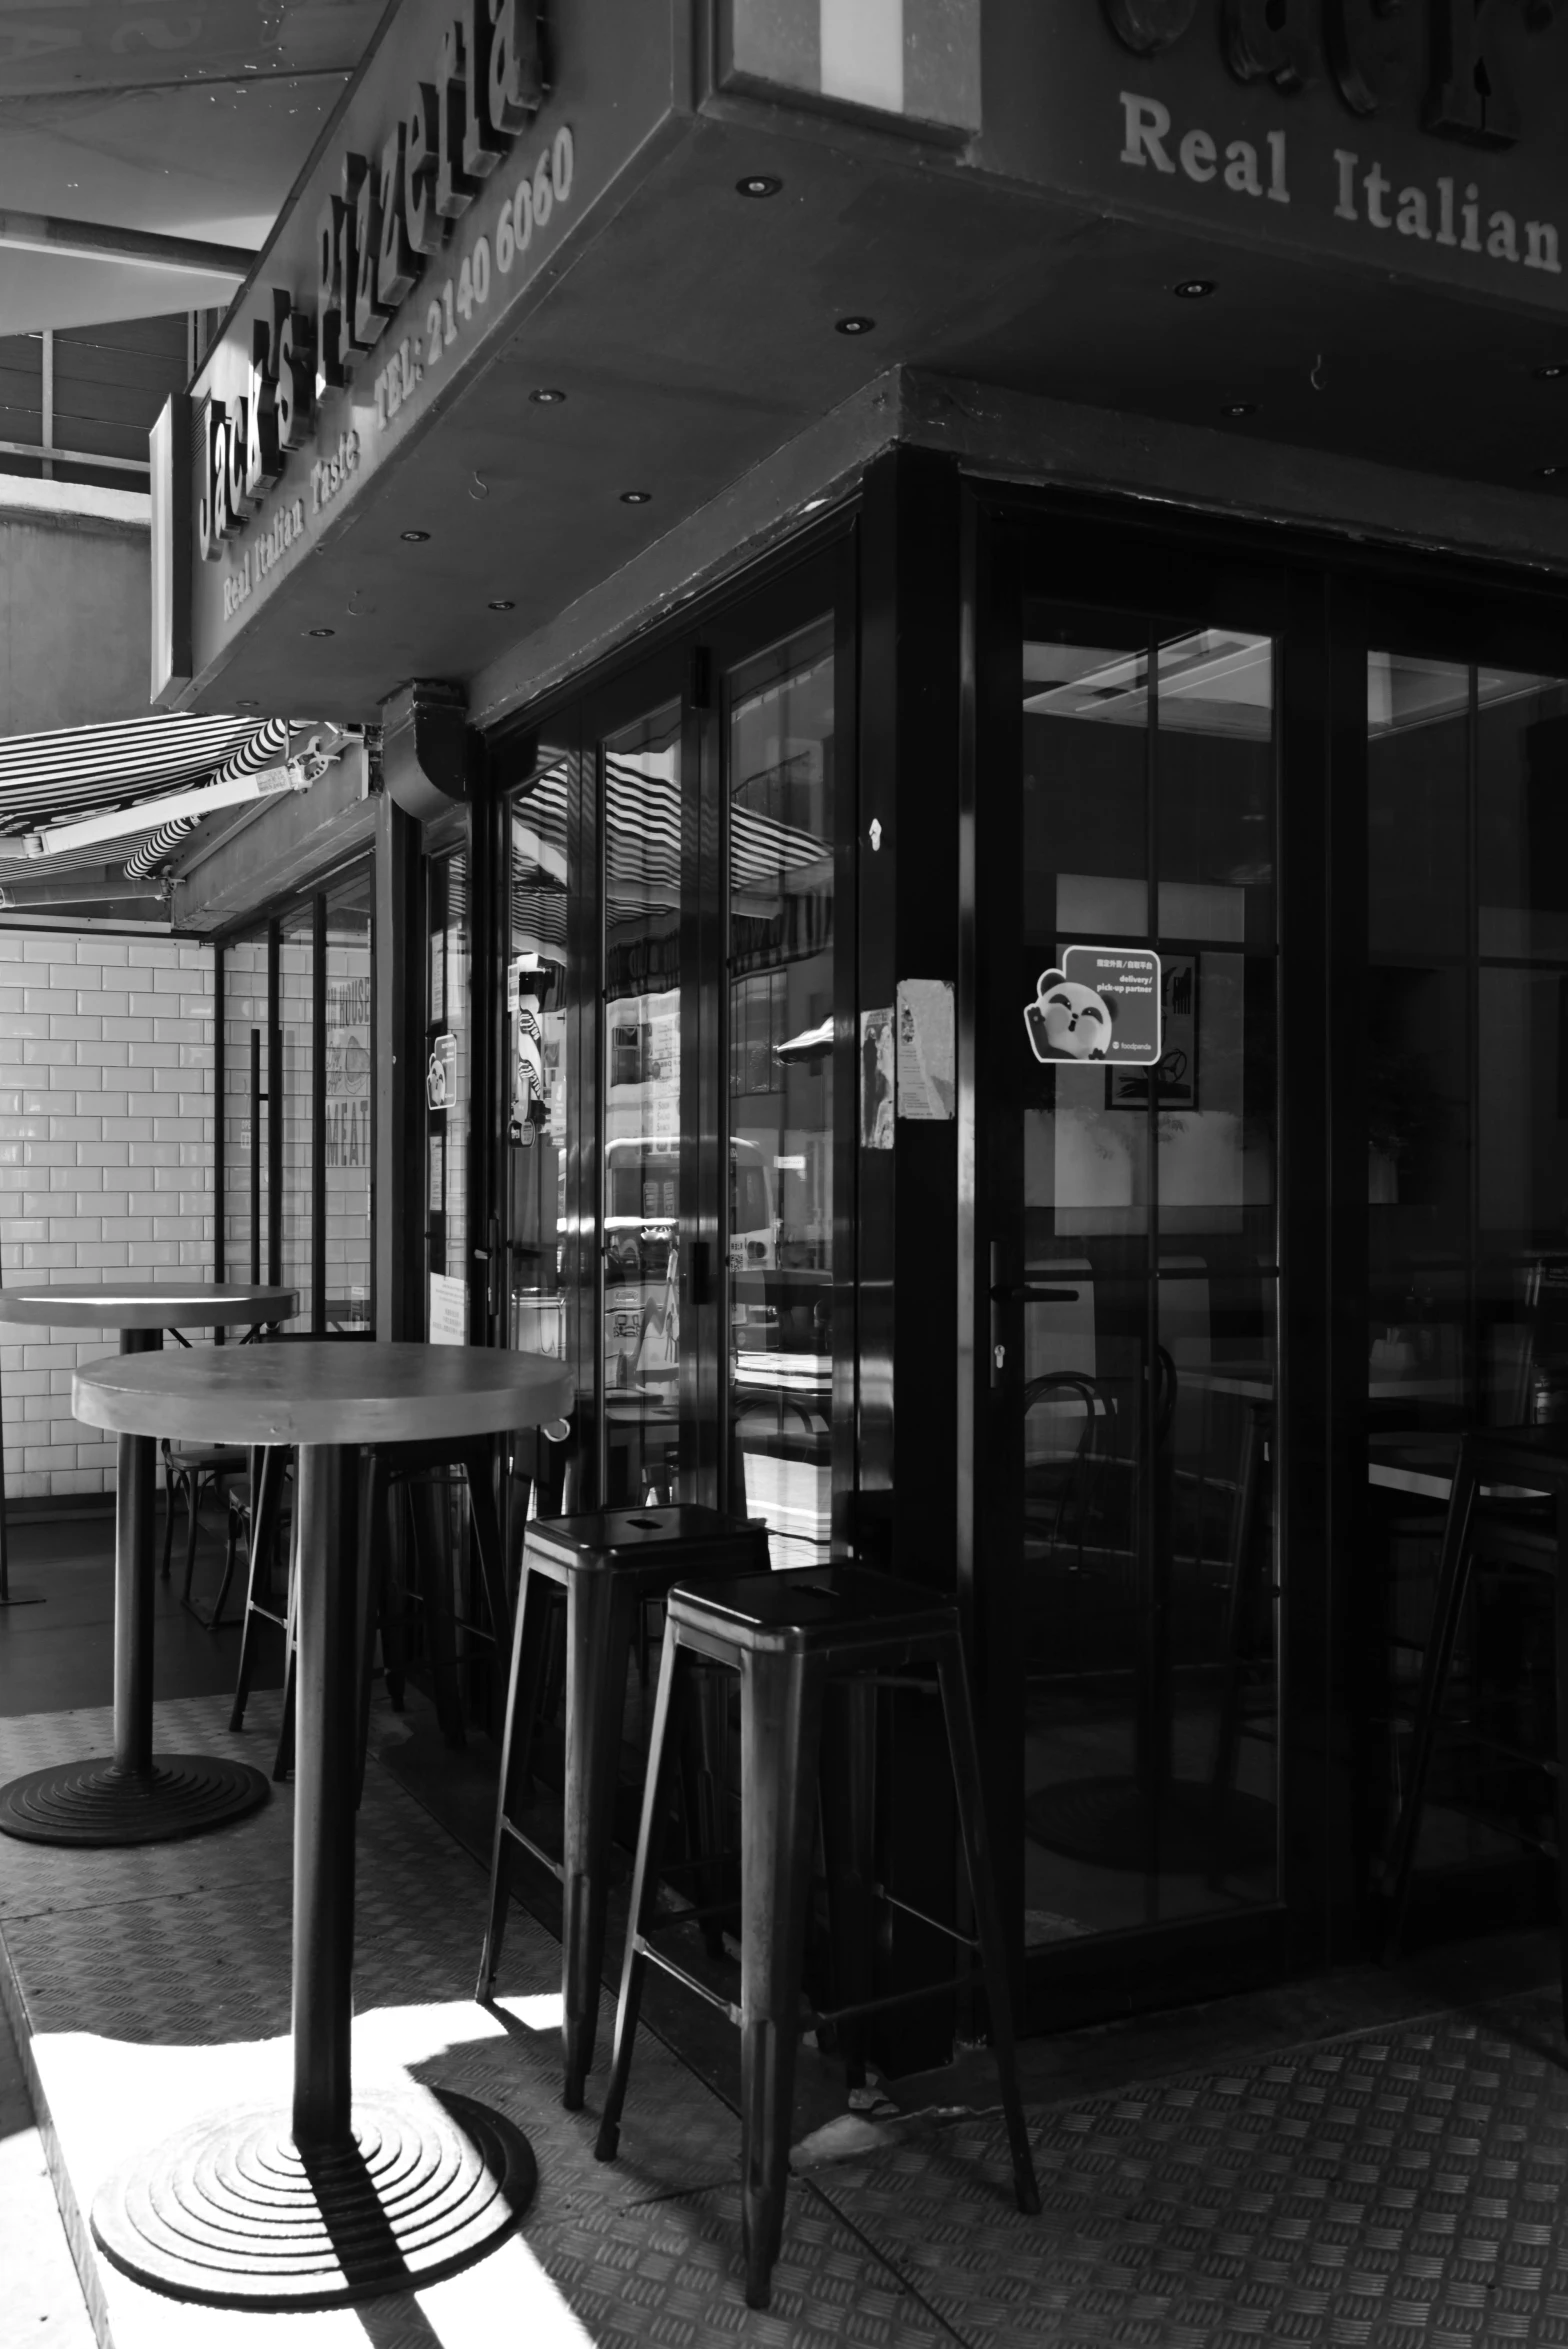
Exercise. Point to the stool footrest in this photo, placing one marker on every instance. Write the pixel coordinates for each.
(878, 2006)
(964, 1940)
(545, 1859)
(668, 1965)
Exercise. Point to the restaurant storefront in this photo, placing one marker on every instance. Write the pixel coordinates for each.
(966, 614)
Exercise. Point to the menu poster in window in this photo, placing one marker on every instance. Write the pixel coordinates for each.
(348, 1073)
(448, 1311)
(876, 1079)
(1176, 1075)
(926, 1087)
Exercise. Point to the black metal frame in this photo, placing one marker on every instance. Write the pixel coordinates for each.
(266, 1083)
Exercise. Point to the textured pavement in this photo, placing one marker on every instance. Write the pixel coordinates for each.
(1401, 2188)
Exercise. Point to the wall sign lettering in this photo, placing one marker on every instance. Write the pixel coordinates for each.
(377, 236)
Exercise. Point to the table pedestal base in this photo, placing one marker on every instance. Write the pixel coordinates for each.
(96, 1802)
(233, 2214)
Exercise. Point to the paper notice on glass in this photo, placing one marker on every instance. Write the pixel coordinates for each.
(925, 1049)
(448, 1311)
(876, 1079)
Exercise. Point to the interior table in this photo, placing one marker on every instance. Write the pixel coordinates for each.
(342, 2197)
(133, 1795)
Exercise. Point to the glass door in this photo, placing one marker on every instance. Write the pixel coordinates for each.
(641, 1127)
(1132, 1271)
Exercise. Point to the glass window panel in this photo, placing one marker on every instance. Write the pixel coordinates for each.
(346, 1142)
(296, 1022)
(1418, 720)
(1522, 816)
(780, 1230)
(540, 1079)
(642, 1108)
(1148, 1215)
(448, 1097)
(245, 1108)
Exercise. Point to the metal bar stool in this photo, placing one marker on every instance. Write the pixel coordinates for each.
(608, 1566)
(189, 1470)
(787, 1635)
(1507, 1512)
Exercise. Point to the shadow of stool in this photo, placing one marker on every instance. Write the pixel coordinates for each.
(608, 1568)
(789, 1636)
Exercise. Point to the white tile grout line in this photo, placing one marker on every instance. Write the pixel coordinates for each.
(13, 2000)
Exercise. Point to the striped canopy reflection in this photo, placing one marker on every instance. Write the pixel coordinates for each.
(642, 849)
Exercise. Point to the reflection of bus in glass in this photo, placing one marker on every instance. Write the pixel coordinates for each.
(642, 1249)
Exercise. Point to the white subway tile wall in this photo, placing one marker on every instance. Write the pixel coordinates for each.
(106, 1159)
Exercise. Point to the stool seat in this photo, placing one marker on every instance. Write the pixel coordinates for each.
(813, 1610)
(652, 1540)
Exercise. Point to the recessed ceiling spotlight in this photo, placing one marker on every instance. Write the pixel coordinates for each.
(413, 537)
(636, 497)
(1193, 289)
(247, 705)
(853, 325)
(758, 183)
(501, 603)
(1549, 472)
(547, 396)
(1554, 372)
(1240, 408)
(321, 632)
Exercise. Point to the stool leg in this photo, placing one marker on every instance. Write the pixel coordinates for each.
(1560, 1597)
(283, 1759)
(965, 1751)
(1453, 1577)
(517, 1739)
(645, 1881)
(265, 1492)
(781, 1733)
(599, 1633)
(848, 1847)
(221, 1601)
(168, 1512)
(192, 1482)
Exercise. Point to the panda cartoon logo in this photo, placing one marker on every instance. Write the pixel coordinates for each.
(1068, 1021)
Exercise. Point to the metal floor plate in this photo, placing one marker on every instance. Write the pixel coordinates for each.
(1402, 2189)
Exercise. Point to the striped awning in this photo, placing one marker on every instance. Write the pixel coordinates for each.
(80, 771)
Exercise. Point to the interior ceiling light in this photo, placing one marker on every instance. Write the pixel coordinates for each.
(501, 603)
(1193, 289)
(413, 537)
(247, 705)
(636, 497)
(1548, 472)
(1240, 408)
(1554, 372)
(855, 325)
(758, 183)
(321, 632)
(547, 396)
(148, 815)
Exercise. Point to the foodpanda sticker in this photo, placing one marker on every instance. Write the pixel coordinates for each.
(1103, 1003)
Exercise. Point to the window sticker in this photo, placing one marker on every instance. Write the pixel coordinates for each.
(1102, 1004)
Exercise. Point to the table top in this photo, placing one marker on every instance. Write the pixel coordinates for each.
(157, 1301)
(319, 1392)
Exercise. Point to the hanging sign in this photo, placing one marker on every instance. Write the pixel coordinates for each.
(1102, 1004)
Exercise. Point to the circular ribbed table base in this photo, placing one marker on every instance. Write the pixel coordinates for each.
(231, 2213)
(96, 1802)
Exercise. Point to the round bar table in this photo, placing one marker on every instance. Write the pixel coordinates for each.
(343, 2197)
(135, 1796)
